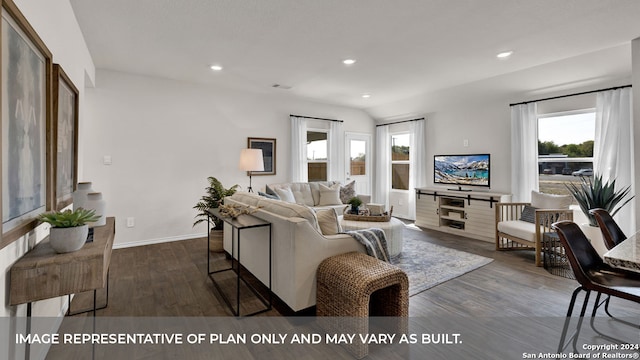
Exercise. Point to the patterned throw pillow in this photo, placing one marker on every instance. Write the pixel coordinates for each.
(347, 192)
(528, 214)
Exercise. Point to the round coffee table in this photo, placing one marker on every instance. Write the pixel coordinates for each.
(392, 230)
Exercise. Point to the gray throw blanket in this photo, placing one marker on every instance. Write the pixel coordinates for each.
(374, 241)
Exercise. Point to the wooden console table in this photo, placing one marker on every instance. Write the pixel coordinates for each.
(42, 273)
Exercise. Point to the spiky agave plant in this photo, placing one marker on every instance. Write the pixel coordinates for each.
(594, 194)
(215, 194)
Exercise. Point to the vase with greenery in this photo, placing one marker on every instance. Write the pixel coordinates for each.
(69, 228)
(355, 203)
(596, 193)
(212, 199)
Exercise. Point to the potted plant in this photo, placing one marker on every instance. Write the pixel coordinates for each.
(594, 194)
(213, 198)
(69, 229)
(355, 203)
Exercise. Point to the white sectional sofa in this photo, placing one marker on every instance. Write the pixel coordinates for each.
(298, 246)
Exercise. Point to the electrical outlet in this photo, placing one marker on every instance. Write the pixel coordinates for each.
(465, 142)
(400, 202)
(131, 222)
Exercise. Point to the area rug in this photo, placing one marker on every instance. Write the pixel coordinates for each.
(428, 265)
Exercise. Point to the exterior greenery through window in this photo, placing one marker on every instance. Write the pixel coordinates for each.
(357, 159)
(565, 149)
(317, 155)
(400, 161)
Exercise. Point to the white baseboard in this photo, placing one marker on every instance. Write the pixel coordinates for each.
(158, 241)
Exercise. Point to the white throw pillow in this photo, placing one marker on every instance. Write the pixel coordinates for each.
(285, 194)
(330, 195)
(328, 221)
(548, 201)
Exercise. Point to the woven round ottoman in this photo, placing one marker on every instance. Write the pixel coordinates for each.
(356, 285)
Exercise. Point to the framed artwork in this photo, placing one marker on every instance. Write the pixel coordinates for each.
(26, 116)
(65, 137)
(268, 147)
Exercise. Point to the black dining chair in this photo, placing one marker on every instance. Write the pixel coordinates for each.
(612, 235)
(593, 275)
(611, 232)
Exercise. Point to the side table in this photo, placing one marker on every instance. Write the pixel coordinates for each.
(553, 256)
(237, 224)
(42, 273)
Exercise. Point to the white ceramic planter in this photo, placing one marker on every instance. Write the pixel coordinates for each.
(594, 235)
(80, 195)
(95, 202)
(64, 240)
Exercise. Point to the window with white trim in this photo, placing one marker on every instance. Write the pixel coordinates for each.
(317, 159)
(565, 149)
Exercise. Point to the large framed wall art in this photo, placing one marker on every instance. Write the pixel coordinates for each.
(268, 147)
(26, 117)
(65, 137)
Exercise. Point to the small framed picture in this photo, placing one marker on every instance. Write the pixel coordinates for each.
(268, 147)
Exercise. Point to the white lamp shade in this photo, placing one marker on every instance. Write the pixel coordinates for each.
(251, 160)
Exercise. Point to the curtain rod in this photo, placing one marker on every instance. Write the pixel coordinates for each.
(399, 122)
(315, 118)
(564, 96)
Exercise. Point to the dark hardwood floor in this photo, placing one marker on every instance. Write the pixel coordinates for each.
(170, 280)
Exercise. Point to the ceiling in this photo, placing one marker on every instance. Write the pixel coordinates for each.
(403, 48)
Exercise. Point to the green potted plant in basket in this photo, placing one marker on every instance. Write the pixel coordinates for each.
(212, 199)
(355, 203)
(69, 228)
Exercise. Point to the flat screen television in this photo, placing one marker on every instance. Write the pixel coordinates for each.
(462, 170)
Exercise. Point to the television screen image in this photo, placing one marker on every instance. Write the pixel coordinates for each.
(462, 170)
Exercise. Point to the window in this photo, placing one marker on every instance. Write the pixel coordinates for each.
(400, 161)
(317, 155)
(565, 149)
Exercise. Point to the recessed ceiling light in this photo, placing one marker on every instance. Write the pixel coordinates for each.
(366, 96)
(504, 55)
(215, 67)
(348, 61)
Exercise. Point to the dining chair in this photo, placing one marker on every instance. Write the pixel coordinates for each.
(611, 232)
(593, 275)
(612, 235)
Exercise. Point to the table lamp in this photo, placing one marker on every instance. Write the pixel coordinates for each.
(251, 160)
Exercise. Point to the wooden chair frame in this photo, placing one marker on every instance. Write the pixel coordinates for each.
(544, 217)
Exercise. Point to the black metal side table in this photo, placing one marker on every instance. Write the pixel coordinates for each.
(554, 258)
(242, 222)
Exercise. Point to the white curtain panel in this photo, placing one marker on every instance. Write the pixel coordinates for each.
(336, 152)
(298, 163)
(613, 147)
(417, 161)
(383, 166)
(524, 151)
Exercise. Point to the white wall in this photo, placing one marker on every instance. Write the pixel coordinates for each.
(165, 137)
(56, 24)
